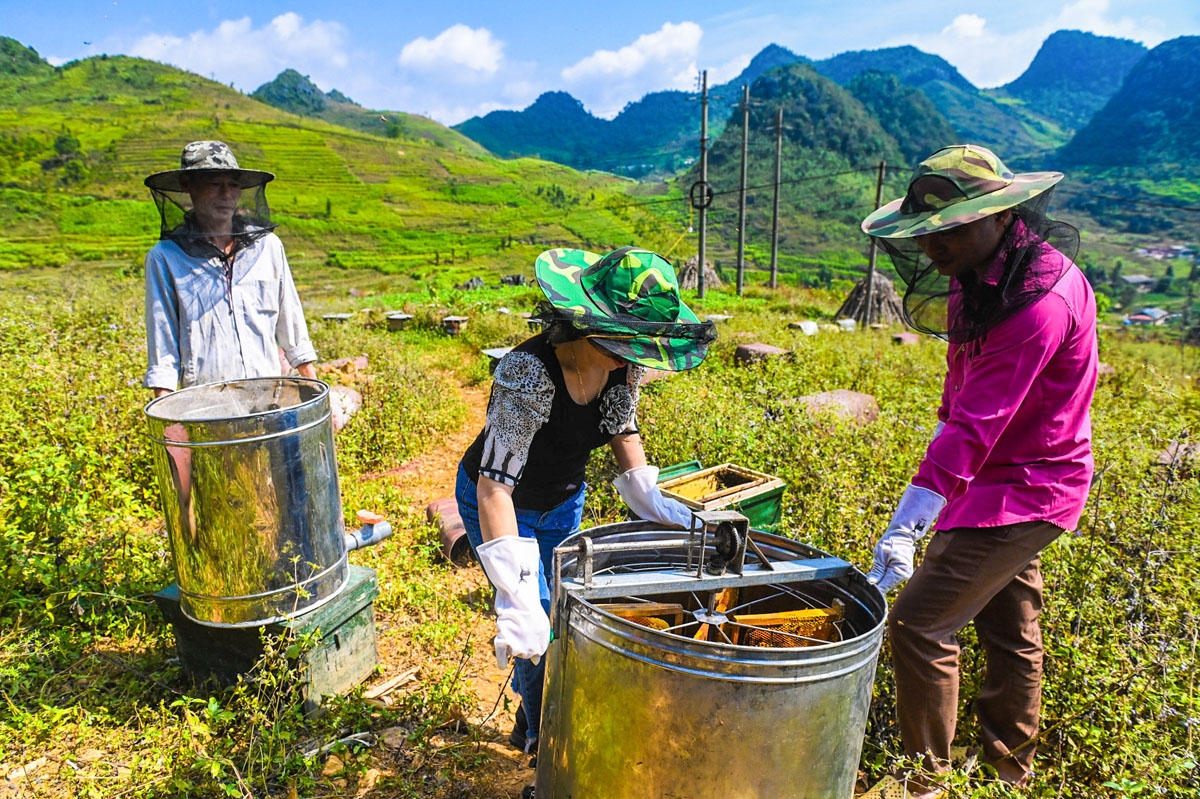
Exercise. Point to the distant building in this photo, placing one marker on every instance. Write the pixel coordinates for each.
(1147, 316)
(1143, 283)
(1160, 252)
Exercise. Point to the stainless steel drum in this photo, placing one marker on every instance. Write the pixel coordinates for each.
(634, 711)
(249, 487)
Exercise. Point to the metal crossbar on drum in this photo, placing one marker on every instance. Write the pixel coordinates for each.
(608, 586)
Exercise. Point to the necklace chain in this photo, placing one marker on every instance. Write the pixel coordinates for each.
(578, 375)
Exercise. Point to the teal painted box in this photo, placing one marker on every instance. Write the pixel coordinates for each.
(344, 656)
(755, 495)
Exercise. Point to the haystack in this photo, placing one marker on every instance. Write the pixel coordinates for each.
(886, 305)
(688, 274)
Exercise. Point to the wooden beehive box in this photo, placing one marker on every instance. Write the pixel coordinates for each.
(757, 496)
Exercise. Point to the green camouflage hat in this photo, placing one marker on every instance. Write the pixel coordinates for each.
(628, 303)
(954, 186)
(206, 156)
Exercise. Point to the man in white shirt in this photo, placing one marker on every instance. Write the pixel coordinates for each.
(220, 300)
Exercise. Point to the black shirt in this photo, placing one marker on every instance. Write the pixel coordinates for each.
(537, 439)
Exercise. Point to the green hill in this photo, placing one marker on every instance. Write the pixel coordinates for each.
(1153, 120)
(831, 145)
(911, 65)
(17, 59)
(653, 135)
(293, 92)
(556, 127)
(1017, 133)
(78, 140)
(906, 113)
(1073, 75)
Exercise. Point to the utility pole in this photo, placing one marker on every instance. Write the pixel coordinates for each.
(703, 180)
(874, 249)
(775, 210)
(741, 258)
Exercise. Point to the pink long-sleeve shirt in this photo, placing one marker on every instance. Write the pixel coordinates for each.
(1017, 442)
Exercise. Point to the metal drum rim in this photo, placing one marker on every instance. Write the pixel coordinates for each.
(605, 628)
(705, 658)
(322, 392)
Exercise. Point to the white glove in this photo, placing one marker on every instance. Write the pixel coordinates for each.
(637, 487)
(937, 429)
(916, 512)
(522, 627)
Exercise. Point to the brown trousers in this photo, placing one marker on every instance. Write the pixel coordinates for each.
(990, 576)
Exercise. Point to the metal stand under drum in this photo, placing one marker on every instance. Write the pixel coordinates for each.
(714, 662)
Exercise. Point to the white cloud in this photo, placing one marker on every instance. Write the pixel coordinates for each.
(988, 57)
(668, 45)
(237, 52)
(966, 25)
(666, 59)
(457, 46)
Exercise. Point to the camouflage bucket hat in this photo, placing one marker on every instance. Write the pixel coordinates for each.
(954, 186)
(628, 303)
(206, 156)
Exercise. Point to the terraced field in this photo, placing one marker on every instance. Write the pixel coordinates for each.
(433, 206)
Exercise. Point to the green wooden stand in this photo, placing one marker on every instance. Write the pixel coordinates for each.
(343, 657)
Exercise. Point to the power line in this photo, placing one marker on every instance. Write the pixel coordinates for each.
(1127, 201)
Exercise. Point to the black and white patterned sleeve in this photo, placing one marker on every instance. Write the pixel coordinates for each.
(618, 407)
(521, 398)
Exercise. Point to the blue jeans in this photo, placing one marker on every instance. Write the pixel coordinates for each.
(548, 528)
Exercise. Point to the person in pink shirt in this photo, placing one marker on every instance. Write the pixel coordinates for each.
(1010, 463)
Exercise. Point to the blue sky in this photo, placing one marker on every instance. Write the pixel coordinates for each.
(453, 60)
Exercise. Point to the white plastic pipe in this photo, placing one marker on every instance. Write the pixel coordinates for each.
(368, 535)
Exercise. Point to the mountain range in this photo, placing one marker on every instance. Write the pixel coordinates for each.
(396, 191)
(1070, 80)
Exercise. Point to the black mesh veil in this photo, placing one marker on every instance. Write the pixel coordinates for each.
(964, 307)
(619, 326)
(251, 220)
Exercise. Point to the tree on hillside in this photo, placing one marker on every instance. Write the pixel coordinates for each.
(1163, 284)
(67, 145)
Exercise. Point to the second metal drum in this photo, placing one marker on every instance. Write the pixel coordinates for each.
(638, 713)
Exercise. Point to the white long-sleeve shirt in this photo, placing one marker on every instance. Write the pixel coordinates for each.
(201, 328)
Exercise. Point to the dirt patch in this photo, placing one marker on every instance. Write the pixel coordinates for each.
(427, 478)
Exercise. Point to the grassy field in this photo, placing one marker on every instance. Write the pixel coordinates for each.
(93, 700)
(94, 703)
(428, 206)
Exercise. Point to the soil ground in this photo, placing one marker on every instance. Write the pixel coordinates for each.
(425, 479)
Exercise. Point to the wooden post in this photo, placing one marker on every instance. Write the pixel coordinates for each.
(703, 179)
(874, 249)
(775, 210)
(741, 245)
